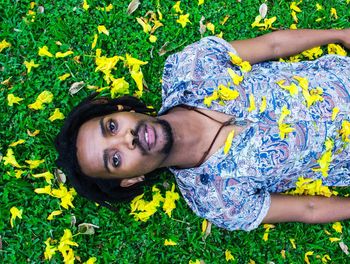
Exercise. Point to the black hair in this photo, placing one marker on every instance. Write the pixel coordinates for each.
(102, 191)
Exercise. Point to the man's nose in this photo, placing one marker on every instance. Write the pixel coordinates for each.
(130, 138)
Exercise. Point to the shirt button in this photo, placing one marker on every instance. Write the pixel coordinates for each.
(204, 179)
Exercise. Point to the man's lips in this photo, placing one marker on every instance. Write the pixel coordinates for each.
(147, 137)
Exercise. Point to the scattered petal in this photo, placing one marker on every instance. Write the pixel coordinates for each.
(183, 20)
(53, 214)
(228, 142)
(102, 29)
(30, 65)
(64, 54)
(15, 213)
(64, 76)
(44, 51)
(169, 242)
(56, 115)
(228, 255)
(12, 99)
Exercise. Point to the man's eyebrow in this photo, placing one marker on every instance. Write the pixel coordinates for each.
(103, 129)
(105, 160)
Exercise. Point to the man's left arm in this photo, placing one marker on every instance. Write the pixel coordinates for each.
(284, 43)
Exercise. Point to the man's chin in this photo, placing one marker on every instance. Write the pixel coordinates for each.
(168, 136)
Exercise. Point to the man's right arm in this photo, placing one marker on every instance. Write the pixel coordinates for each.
(307, 209)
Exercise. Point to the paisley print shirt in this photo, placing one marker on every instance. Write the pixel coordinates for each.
(233, 190)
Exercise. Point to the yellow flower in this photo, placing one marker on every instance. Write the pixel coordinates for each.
(228, 255)
(91, 260)
(119, 87)
(145, 26)
(307, 254)
(292, 88)
(200, 2)
(251, 103)
(47, 175)
(177, 8)
(267, 230)
(183, 20)
(293, 26)
(245, 66)
(263, 104)
(334, 239)
(56, 115)
(294, 6)
(169, 242)
(4, 44)
(257, 21)
(10, 159)
(169, 202)
(66, 196)
(294, 15)
(237, 79)
(228, 142)
(337, 227)
(268, 23)
(319, 7)
(44, 51)
(335, 112)
(106, 65)
(152, 38)
(44, 98)
(64, 54)
(102, 29)
(85, 5)
(46, 190)
(326, 158)
(311, 187)
(138, 77)
(93, 44)
(284, 113)
(336, 49)
(34, 163)
(18, 173)
(208, 99)
(12, 99)
(220, 34)
(64, 76)
(235, 59)
(30, 65)
(107, 8)
(285, 129)
(49, 250)
(204, 225)
(15, 213)
(54, 213)
(225, 93)
(210, 27)
(313, 53)
(66, 240)
(334, 13)
(18, 142)
(33, 134)
(345, 131)
(292, 241)
(133, 63)
(326, 258)
(194, 262)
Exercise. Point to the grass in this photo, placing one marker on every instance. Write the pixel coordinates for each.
(120, 239)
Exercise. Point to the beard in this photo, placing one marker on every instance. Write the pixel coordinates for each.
(167, 133)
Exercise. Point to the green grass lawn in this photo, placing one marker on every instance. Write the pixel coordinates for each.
(66, 26)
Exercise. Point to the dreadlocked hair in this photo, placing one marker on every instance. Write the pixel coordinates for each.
(102, 191)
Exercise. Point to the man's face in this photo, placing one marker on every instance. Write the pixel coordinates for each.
(123, 145)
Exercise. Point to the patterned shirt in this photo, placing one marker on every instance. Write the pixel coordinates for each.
(233, 190)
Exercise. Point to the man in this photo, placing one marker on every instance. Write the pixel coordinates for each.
(109, 147)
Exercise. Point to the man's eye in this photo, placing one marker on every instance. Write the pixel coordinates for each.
(112, 126)
(116, 160)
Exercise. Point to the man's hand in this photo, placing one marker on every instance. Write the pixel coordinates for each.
(307, 209)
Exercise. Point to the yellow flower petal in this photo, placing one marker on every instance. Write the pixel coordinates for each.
(334, 13)
(53, 214)
(93, 44)
(18, 142)
(228, 142)
(210, 27)
(12, 99)
(228, 255)
(47, 175)
(102, 29)
(44, 51)
(183, 20)
(56, 115)
(307, 254)
(15, 213)
(64, 54)
(252, 106)
(10, 159)
(64, 76)
(292, 241)
(336, 49)
(335, 112)
(334, 239)
(152, 38)
(34, 163)
(4, 44)
(30, 65)
(85, 5)
(263, 104)
(200, 2)
(337, 227)
(169, 242)
(177, 8)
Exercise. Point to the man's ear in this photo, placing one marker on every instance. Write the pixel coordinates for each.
(131, 181)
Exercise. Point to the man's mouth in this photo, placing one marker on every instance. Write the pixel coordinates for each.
(149, 137)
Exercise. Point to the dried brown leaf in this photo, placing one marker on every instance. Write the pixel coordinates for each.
(41, 9)
(76, 87)
(73, 220)
(344, 247)
(134, 4)
(60, 176)
(202, 27)
(87, 228)
(0, 243)
(163, 50)
(263, 10)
